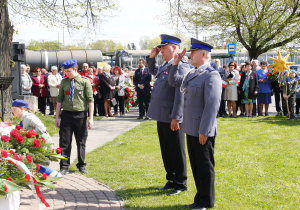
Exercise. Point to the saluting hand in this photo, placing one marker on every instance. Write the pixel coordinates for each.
(202, 139)
(154, 52)
(178, 57)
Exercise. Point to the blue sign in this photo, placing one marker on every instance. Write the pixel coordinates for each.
(231, 49)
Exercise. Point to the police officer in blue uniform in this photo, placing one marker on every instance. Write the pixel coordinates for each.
(202, 89)
(166, 106)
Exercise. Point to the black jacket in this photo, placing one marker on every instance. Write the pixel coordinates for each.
(253, 85)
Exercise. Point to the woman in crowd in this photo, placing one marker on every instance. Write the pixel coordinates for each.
(231, 94)
(265, 89)
(241, 105)
(107, 85)
(95, 83)
(248, 88)
(119, 93)
(26, 81)
(54, 81)
(39, 89)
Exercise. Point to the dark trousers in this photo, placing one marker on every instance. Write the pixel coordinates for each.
(291, 101)
(297, 105)
(73, 122)
(143, 99)
(120, 104)
(222, 110)
(202, 164)
(277, 94)
(101, 111)
(42, 104)
(172, 145)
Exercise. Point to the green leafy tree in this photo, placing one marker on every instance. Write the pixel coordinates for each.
(72, 14)
(105, 45)
(259, 25)
(50, 45)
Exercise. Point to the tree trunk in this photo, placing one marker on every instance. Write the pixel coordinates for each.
(6, 33)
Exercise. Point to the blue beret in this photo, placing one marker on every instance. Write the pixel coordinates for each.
(168, 39)
(294, 71)
(69, 64)
(20, 103)
(197, 45)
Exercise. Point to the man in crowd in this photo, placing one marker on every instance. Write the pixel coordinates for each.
(142, 79)
(75, 97)
(166, 107)
(202, 89)
(84, 71)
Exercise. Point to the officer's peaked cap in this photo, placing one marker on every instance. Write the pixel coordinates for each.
(168, 39)
(20, 103)
(197, 45)
(69, 64)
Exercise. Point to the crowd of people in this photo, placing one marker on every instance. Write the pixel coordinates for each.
(108, 86)
(246, 88)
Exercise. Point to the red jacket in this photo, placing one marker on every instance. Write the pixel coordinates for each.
(35, 86)
(95, 81)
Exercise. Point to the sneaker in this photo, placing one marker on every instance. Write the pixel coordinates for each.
(83, 170)
(64, 171)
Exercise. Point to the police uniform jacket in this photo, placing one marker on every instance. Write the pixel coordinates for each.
(166, 101)
(143, 79)
(203, 88)
(83, 94)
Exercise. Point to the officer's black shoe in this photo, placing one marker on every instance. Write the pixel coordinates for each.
(146, 118)
(83, 170)
(139, 118)
(176, 191)
(64, 171)
(193, 205)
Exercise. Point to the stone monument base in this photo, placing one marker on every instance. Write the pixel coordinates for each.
(32, 101)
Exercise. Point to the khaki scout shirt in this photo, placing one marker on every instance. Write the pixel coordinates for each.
(83, 94)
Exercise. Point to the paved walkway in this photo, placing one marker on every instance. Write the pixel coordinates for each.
(76, 191)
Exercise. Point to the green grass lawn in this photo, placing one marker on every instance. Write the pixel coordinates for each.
(257, 166)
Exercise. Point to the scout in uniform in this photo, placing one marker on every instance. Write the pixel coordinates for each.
(290, 89)
(29, 121)
(75, 97)
(202, 89)
(166, 106)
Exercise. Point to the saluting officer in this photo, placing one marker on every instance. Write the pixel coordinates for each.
(202, 89)
(166, 106)
(75, 97)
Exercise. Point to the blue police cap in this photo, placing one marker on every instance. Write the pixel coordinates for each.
(69, 64)
(197, 45)
(168, 39)
(19, 103)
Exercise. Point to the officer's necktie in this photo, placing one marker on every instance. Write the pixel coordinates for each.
(71, 96)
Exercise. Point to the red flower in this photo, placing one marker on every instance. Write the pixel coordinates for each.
(45, 176)
(18, 127)
(131, 102)
(58, 150)
(21, 158)
(5, 138)
(53, 150)
(30, 133)
(13, 133)
(268, 74)
(269, 70)
(16, 157)
(29, 158)
(27, 177)
(43, 140)
(5, 189)
(38, 167)
(4, 154)
(20, 138)
(67, 92)
(12, 152)
(8, 179)
(36, 143)
(129, 105)
(240, 74)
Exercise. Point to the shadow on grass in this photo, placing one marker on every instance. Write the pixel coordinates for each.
(161, 207)
(280, 120)
(141, 192)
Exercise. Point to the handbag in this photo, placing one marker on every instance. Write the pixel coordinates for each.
(113, 102)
